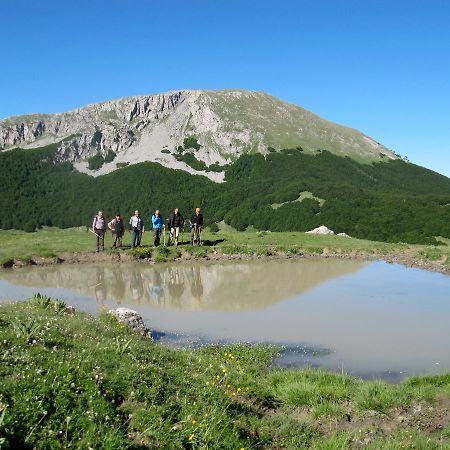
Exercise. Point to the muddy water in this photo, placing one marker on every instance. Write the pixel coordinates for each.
(370, 319)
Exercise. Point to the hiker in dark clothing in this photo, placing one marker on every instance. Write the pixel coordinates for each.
(117, 228)
(196, 225)
(176, 222)
(99, 228)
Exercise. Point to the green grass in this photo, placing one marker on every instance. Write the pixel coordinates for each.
(70, 380)
(51, 242)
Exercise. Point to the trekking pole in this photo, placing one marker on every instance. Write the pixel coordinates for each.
(164, 236)
(93, 232)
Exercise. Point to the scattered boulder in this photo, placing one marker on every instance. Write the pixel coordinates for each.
(321, 230)
(343, 235)
(132, 319)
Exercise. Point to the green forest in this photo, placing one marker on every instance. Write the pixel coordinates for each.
(391, 201)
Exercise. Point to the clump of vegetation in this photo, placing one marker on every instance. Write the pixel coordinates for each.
(166, 151)
(190, 159)
(197, 251)
(142, 252)
(96, 162)
(110, 156)
(191, 142)
(167, 254)
(119, 165)
(431, 253)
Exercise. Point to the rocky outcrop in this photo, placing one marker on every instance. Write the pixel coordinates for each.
(321, 230)
(132, 319)
(225, 123)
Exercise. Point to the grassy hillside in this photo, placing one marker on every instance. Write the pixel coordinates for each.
(392, 201)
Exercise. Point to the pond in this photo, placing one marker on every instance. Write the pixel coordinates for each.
(369, 319)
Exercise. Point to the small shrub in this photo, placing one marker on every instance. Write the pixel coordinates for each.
(197, 251)
(142, 252)
(165, 150)
(109, 157)
(96, 162)
(42, 301)
(26, 330)
(167, 254)
(191, 142)
(119, 165)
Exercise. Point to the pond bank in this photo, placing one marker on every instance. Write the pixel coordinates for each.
(148, 255)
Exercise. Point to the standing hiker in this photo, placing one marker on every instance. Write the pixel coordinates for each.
(196, 226)
(176, 222)
(158, 225)
(136, 228)
(99, 228)
(117, 228)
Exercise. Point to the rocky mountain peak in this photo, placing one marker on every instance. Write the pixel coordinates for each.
(187, 129)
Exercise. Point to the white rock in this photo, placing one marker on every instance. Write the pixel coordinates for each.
(131, 318)
(321, 230)
(343, 235)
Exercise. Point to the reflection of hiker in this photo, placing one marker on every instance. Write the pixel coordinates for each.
(158, 225)
(197, 285)
(117, 228)
(156, 291)
(196, 225)
(175, 286)
(136, 228)
(176, 222)
(99, 228)
(116, 286)
(136, 286)
(99, 288)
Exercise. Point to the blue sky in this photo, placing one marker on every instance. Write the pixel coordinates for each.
(382, 67)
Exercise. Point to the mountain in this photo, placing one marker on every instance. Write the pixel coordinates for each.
(189, 130)
(282, 167)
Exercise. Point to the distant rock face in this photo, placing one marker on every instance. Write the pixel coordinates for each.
(321, 230)
(226, 124)
(132, 319)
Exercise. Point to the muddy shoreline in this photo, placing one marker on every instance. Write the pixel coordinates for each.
(407, 259)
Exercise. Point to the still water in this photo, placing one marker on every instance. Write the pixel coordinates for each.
(369, 319)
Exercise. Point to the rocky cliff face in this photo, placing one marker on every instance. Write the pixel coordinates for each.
(152, 128)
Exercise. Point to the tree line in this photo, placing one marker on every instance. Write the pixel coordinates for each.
(389, 201)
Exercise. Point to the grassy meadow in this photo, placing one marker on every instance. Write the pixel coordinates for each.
(63, 387)
(20, 246)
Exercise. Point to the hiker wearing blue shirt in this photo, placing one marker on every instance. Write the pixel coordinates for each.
(158, 226)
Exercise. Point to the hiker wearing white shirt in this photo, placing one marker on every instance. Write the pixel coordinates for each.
(99, 228)
(136, 228)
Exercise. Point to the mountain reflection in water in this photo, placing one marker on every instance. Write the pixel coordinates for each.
(226, 286)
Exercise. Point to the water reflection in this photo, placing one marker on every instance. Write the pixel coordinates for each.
(372, 319)
(231, 286)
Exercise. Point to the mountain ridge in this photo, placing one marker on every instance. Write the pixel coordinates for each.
(222, 124)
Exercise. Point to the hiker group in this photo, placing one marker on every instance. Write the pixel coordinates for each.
(175, 224)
